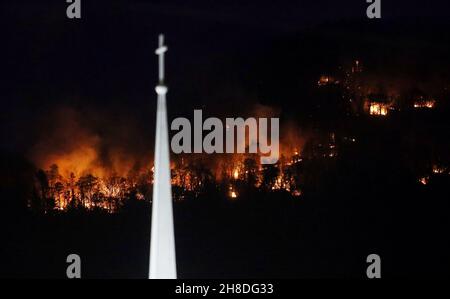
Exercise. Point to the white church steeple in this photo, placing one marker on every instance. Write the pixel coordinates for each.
(162, 243)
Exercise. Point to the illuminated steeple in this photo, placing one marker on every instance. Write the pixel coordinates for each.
(162, 244)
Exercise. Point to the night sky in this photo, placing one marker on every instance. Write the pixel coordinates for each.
(103, 65)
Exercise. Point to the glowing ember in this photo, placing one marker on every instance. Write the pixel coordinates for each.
(232, 193)
(424, 180)
(438, 170)
(297, 193)
(326, 80)
(424, 103)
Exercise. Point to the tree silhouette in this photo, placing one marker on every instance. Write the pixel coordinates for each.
(88, 185)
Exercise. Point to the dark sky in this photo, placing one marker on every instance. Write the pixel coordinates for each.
(103, 66)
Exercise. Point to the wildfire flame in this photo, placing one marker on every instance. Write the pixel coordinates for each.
(378, 109)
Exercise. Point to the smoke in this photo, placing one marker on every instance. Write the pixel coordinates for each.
(293, 138)
(98, 142)
(78, 144)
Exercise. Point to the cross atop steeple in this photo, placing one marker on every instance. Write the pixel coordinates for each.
(160, 52)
